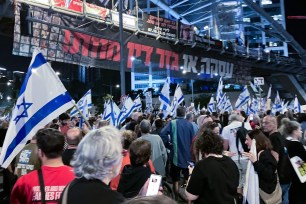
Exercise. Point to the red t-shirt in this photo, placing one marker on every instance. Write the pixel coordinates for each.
(125, 161)
(27, 190)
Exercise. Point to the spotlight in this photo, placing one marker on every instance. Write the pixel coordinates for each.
(157, 37)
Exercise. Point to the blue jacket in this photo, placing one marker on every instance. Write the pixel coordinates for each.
(177, 136)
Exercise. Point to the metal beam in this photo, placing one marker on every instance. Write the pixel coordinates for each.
(177, 4)
(196, 9)
(173, 13)
(279, 28)
(200, 19)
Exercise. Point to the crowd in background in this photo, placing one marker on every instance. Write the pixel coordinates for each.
(100, 163)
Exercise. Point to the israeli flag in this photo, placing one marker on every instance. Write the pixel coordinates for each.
(126, 110)
(243, 98)
(228, 106)
(251, 188)
(278, 103)
(178, 98)
(137, 103)
(211, 105)
(42, 98)
(254, 106)
(84, 103)
(297, 105)
(164, 98)
(222, 102)
(219, 93)
(149, 106)
(111, 113)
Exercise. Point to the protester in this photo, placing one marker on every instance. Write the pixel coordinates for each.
(73, 138)
(269, 126)
(190, 118)
(293, 132)
(157, 126)
(101, 123)
(229, 136)
(215, 178)
(134, 176)
(96, 161)
(265, 165)
(180, 140)
(128, 137)
(158, 150)
(27, 160)
(55, 175)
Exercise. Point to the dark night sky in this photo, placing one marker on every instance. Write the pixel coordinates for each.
(296, 27)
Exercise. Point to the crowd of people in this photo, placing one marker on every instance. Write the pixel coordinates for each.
(203, 154)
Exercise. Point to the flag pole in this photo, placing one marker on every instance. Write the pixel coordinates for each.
(80, 112)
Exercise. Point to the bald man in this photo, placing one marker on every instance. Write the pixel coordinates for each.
(73, 137)
(269, 126)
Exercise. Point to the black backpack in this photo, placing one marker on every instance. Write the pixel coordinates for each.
(241, 135)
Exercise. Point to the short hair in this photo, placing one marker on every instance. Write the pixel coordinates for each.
(201, 119)
(102, 123)
(128, 137)
(145, 126)
(63, 116)
(211, 143)
(140, 152)
(158, 123)
(262, 141)
(74, 136)
(288, 126)
(234, 117)
(98, 153)
(51, 142)
(54, 126)
(189, 116)
(157, 199)
(204, 130)
(181, 111)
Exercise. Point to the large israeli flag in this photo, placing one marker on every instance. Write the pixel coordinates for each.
(164, 98)
(178, 98)
(42, 98)
(251, 188)
(84, 104)
(243, 98)
(297, 105)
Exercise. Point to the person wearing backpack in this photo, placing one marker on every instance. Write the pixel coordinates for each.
(234, 146)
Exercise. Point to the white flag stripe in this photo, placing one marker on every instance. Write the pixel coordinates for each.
(81, 102)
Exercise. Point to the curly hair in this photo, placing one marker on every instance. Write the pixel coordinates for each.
(211, 143)
(206, 129)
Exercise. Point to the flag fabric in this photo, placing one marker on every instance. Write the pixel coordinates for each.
(277, 103)
(86, 99)
(103, 115)
(228, 106)
(243, 98)
(198, 109)
(222, 102)
(219, 93)
(285, 107)
(269, 92)
(137, 103)
(251, 188)
(178, 98)
(211, 105)
(111, 113)
(254, 106)
(297, 105)
(164, 98)
(127, 109)
(42, 98)
(149, 106)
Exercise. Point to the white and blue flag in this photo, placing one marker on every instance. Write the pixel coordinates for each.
(254, 106)
(251, 188)
(149, 103)
(42, 98)
(219, 93)
(84, 104)
(228, 106)
(137, 103)
(269, 92)
(126, 110)
(278, 103)
(164, 98)
(211, 105)
(111, 113)
(178, 98)
(297, 105)
(243, 98)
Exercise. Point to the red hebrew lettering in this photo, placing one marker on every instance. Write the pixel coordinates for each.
(111, 54)
(161, 52)
(96, 42)
(148, 51)
(131, 47)
(175, 62)
(78, 37)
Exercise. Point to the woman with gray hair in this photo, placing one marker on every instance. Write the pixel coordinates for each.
(96, 161)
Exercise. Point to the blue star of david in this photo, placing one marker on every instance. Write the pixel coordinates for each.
(22, 113)
(124, 109)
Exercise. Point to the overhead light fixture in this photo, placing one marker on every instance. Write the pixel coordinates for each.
(1, 68)
(157, 37)
(176, 42)
(136, 32)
